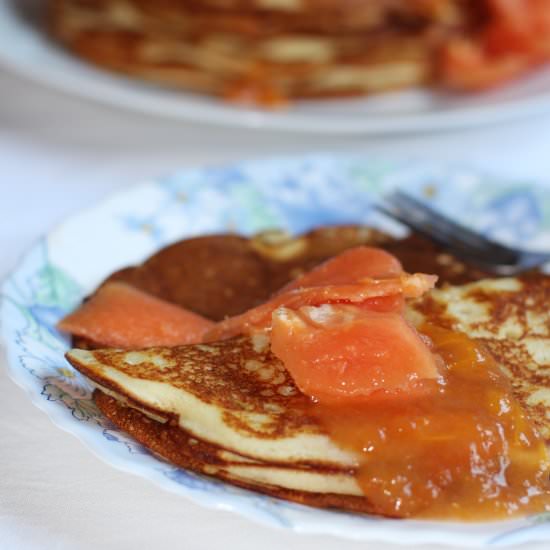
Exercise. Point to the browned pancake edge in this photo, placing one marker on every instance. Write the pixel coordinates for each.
(185, 451)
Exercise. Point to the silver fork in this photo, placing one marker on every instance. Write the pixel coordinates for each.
(458, 239)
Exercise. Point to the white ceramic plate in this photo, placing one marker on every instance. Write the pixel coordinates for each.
(293, 193)
(25, 49)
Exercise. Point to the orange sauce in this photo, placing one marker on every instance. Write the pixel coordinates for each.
(255, 93)
(463, 450)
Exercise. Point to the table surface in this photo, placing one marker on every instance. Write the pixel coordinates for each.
(59, 154)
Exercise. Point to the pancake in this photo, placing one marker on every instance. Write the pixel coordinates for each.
(257, 434)
(233, 393)
(266, 70)
(265, 50)
(230, 410)
(328, 488)
(224, 275)
(510, 317)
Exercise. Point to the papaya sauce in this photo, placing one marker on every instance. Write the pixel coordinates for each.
(462, 449)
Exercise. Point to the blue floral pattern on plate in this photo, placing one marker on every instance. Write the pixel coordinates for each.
(291, 193)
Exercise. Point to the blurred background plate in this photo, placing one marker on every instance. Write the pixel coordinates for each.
(25, 48)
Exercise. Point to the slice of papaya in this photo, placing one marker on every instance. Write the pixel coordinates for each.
(362, 275)
(377, 294)
(349, 267)
(119, 315)
(338, 353)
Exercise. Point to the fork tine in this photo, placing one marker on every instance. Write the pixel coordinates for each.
(477, 249)
(408, 202)
(452, 233)
(444, 238)
(462, 251)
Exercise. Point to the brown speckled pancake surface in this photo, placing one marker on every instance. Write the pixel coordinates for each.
(511, 317)
(236, 376)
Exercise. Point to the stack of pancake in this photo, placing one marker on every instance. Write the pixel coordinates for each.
(266, 51)
(231, 410)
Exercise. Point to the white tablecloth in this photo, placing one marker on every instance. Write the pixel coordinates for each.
(59, 154)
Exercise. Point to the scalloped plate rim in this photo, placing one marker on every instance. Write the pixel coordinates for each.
(61, 420)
